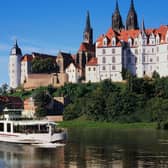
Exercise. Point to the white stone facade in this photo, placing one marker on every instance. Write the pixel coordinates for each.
(139, 51)
(74, 73)
(109, 63)
(15, 67)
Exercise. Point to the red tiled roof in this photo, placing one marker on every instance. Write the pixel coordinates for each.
(84, 47)
(92, 62)
(27, 58)
(124, 35)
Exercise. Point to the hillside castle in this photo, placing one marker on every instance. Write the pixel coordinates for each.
(128, 47)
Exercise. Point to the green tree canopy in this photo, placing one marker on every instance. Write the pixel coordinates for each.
(45, 65)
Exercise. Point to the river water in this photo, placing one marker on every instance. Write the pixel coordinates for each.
(93, 148)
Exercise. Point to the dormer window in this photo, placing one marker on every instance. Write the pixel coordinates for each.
(157, 39)
(152, 39)
(130, 42)
(113, 41)
(105, 41)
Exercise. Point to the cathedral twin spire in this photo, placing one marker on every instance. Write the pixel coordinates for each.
(131, 22)
(117, 23)
(88, 32)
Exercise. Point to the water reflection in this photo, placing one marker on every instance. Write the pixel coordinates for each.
(93, 148)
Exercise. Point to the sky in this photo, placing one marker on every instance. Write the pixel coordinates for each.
(50, 26)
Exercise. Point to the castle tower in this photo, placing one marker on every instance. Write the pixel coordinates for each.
(88, 32)
(132, 20)
(15, 66)
(117, 23)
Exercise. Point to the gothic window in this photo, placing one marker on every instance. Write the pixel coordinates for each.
(94, 69)
(136, 59)
(113, 59)
(152, 50)
(157, 49)
(103, 51)
(103, 60)
(89, 69)
(113, 51)
(157, 59)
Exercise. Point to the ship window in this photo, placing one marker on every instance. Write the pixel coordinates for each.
(8, 127)
(1, 127)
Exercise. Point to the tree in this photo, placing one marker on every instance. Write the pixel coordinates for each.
(4, 89)
(42, 99)
(45, 65)
(155, 75)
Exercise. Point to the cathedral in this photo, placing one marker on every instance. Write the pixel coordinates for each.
(129, 47)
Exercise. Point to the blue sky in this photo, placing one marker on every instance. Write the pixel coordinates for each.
(51, 25)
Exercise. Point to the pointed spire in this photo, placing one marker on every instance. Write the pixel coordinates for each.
(16, 44)
(88, 32)
(143, 24)
(88, 25)
(132, 5)
(143, 27)
(117, 6)
(16, 50)
(132, 19)
(117, 23)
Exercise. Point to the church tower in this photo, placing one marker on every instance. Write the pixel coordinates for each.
(88, 32)
(132, 20)
(15, 66)
(117, 23)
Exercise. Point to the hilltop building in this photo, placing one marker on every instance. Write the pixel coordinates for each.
(141, 51)
(71, 68)
(130, 47)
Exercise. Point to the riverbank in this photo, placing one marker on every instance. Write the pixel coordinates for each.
(95, 124)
